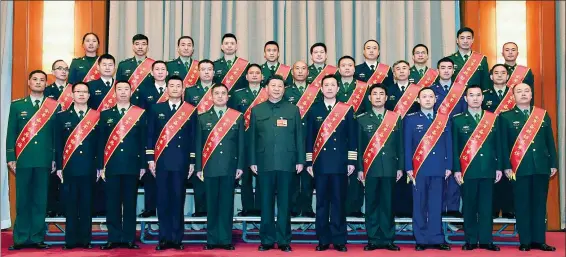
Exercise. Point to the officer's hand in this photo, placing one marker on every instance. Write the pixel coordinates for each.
(410, 176)
(102, 174)
(498, 175)
(447, 174)
(142, 172)
(309, 170)
(151, 166)
(508, 173)
(399, 175)
(60, 175)
(239, 173)
(254, 169)
(351, 169)
(458, 177)
(191, 168)
(12, 166)
(199, 176)
(553, 172)
(53, 168)
(299, 168)
(361, 176)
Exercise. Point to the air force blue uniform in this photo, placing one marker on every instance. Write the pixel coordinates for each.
(331, 172)
(427, 193)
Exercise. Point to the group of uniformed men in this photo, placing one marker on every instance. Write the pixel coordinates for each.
(414, 139)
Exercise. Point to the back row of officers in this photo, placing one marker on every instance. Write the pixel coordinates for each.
(406, 136)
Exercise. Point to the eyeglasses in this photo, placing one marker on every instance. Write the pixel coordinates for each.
(62, 69)
(81, 92)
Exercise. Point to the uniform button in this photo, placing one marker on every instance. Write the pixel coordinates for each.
(80, 152)
(81, 144)
(335, 139)
(334, 148)
(383, 153)
(481, 154)
(179, 146)
(433, 152)
(220, 144)
(324, 149)
(179, 137)
(121, 150)
(220, 152)
(35, 142)
(534, 150)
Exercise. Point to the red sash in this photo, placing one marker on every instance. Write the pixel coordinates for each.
(428, 142)
(140, 73)
(508, 101)
(35, 124)
(412, 92)
(518, 75)
(192, 75)
(328, 70)
(220, 130)
(476, 140)
(328, 126)
(283, 71)
(452, 98)
(379, 74)
(179, 118)
(379, 138)
(229, 80)
(307, 99)
(260, 98)
(66, 97)
(469, 69)
(109, 100)
(122, 129)
(81, 131)
(525, 138)
(93, 73)
(358, 95)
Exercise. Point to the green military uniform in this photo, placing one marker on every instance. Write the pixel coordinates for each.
(477, 189)
(314, 71)
(32, 171)
(125, 69)
(79, 68)
(533, 174)
(241, 101)
(78, 176)
(277, 145)
(221, 68)
(54, 91)
(178, 67)
(480, 77)
(219, 174)
(529, 79)
(268, 71)
(345, 92)
(416, 74)
(380, 179)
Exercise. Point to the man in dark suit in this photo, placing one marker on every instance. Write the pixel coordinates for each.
(331, 155)
(170, 131)
(365, 70)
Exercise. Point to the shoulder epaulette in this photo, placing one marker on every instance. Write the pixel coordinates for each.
(486, 90)
(458, 114)
(411, 114)
(219, 59)
(15, 100)
(361, 114)
(239, 89)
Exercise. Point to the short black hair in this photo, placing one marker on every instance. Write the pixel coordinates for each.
(377, 85)
(79, 83)
(53, 65)
(37, 71)
(420, 45)
(174, 77)
(185, 37)
(205, 61)
(444, 59)
(498, 65)
(229, 35)
(472, 86)
(122, 81)
(371, 40)
(271, 42)
(423, 89)
(318, 44)
(91, 33)
(346, 57)
(399, 62)
(158, 62)
(106, 56)
(253, 65)
(329, 76)
(464, 29)
(217, 85)
(140, 37)
(273, 77)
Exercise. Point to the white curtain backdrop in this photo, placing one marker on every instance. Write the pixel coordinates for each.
(343, 25)
(561, 92)
(6, 30)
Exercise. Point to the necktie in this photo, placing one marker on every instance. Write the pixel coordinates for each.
(429, 116)
(526, 112)
(466, 58)
(301, 89)
(174, 107)
(500, 93)
(329, 108)
(379, 117)
(220, 114)
(139, 62)
(60, 88)
(477, 117)
(205, 89)
(446, 88)
(108, 83)
(402, 89)
(36, 103)
(421, 72)
(229, 64)
(346, 86)
(187, 65)
(122, 111)
(372, 67)
(81, 114)
(272, 69)
(254, 92)
(160, 90)
(319, 69)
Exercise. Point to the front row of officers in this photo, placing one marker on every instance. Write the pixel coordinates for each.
(172, 142)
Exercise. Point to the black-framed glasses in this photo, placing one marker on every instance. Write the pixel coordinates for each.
(62, 68)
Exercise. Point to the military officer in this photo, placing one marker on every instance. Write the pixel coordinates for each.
(420, 58)
(194, 95)
(81, 66)
(224, 64)
(401, 71)
(319, 58)
(277, 151)
(55, 206)
(271, 55)
(225, 164)
(181, 66)
(510, 53)
(464, 40)
(169, 161)
(331, 163)
(118, 148)
(241, 101)
(77, 170)
(365, 70)
(435, 169)
(33, 161)
(477, 169)
(126, 68)
(382, 172)
(301, 199)
(533, 169)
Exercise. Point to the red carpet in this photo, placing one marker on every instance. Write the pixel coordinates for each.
(556, 239)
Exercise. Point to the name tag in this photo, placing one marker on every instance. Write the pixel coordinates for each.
(281, 122)
(161, 116)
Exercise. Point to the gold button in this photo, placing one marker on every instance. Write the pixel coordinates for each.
(81, 144)
(121, 141)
